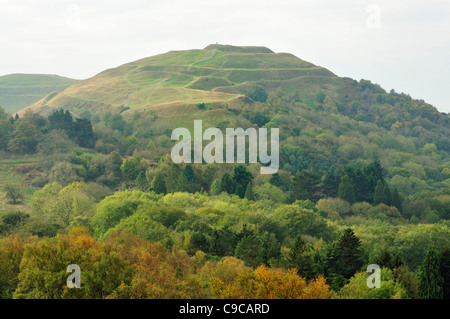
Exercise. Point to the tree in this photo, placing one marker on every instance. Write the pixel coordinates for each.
(6, 128)
(304, 184)
(346, 191)
(396, 200)
(431, 281)
(349, 253)
(63, 173)
(444, 261)
(159, 184)
(141, 182)
(215, 187)
(379, 197)
(257, 93)
(241, 176)
(131, 168)
(14, 192)
(300, 259)
(330, 184)
(227, 184)
(240, 191)
(249, 193)
(24, 139)
(55, 142)
(387, 194)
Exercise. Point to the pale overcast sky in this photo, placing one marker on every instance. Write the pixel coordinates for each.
(399, 44)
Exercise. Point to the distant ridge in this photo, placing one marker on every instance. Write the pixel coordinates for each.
(20, 90)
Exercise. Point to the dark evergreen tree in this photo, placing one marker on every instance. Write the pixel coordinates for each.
(396, 200)
(240, 191)
(444, 261)
(159, 184)
(276, 180)
(349, 250)
(241, 176)
(330, 184)
(227, 184)
(83, 133)
(249, 193)
(346, 191)
(141, 182)
(304, 184)
(379, 197)
(300, 258)
(431, 281)
(387, 194)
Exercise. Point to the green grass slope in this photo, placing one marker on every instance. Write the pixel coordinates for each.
(20, 90)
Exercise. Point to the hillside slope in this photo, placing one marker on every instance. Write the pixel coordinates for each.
(325, 120)
(218, 74)
(18, 91)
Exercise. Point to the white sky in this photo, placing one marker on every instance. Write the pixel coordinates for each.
(399, 44)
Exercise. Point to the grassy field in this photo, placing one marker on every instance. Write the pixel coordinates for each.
(8, 173)
(20, 90)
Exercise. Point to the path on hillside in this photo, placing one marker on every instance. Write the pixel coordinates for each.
(213, 53)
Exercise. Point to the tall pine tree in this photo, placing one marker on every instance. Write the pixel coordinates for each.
(346, 191)
(431, 281)
(379, 197)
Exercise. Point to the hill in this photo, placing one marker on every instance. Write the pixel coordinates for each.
(364, 178)
(219, 74)
(326, 122)
(18, 91)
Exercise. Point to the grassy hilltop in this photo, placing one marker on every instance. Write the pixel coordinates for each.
(173, 82)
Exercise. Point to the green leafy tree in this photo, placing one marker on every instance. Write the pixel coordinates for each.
(257, 93)
(24, 139)
(14, 192)
(431, 281)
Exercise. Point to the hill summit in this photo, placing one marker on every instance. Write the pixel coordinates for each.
(219, 75)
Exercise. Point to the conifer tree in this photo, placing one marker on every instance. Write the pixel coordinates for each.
(346, 191)
(159, 184)
(379, 197)
(227, 184)
(240, 191)
(431, 281)
(349, 253)
(396, 200)
(141, 182)
(215, 188)
(387, 194)
(249, 193)
(444, 261)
